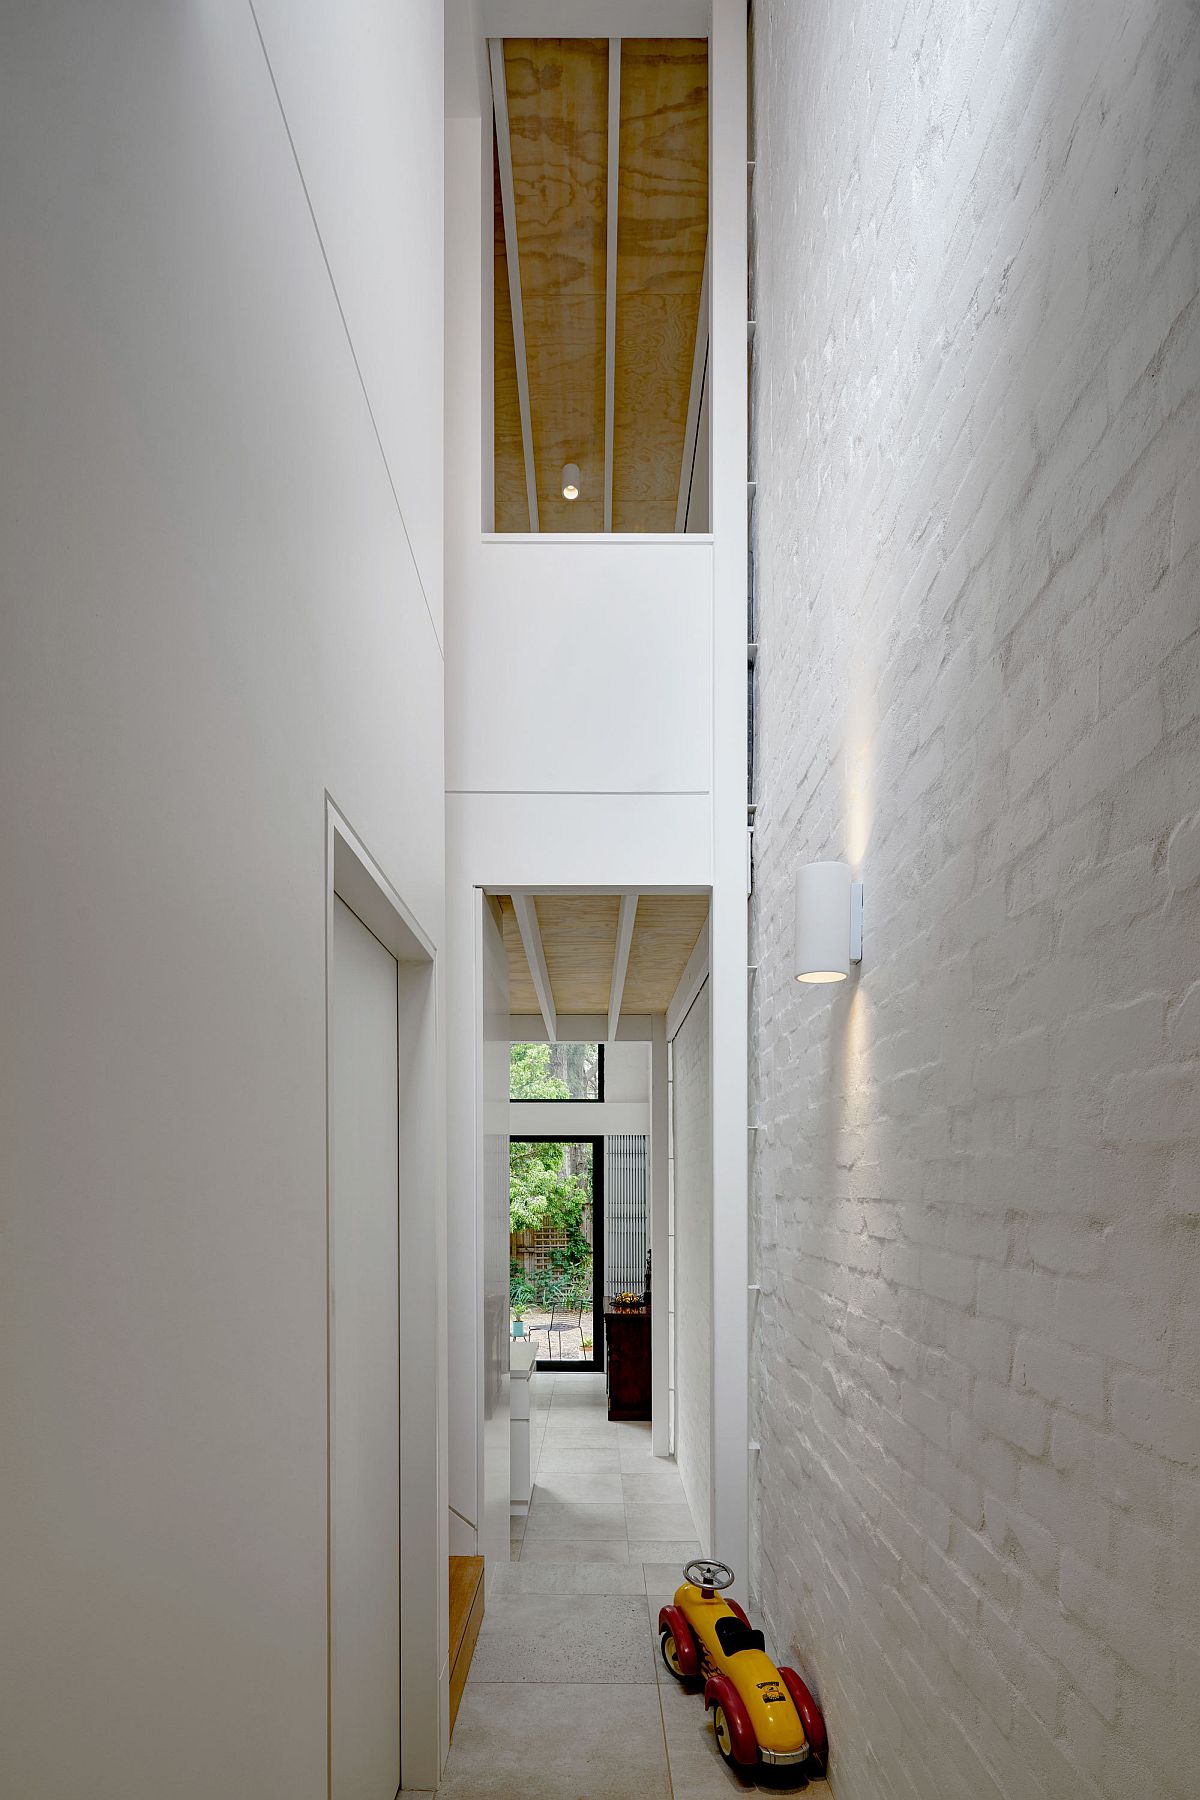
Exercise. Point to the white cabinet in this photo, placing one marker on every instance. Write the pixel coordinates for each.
(523, 1401)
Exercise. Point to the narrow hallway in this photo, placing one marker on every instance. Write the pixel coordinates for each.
(567, 1698)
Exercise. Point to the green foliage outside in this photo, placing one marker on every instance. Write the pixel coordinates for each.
(544, 1193)
(560, 1286)
(554, 1072)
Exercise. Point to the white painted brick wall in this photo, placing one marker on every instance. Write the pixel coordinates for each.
(977, 1199)
(691, 1090)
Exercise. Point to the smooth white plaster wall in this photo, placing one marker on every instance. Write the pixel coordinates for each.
(211, 616)
(579, 667)
(627, 1074)
(977, 445)
(691, 1099)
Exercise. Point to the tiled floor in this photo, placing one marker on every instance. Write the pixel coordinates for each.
(567, 1698)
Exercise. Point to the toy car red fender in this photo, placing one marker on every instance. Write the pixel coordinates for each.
(760, 1713)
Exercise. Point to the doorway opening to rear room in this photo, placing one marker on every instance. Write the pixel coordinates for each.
(556, 1267)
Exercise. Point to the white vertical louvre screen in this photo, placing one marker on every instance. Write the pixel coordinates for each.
(626, 1215)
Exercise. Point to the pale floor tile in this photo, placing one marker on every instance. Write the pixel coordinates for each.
(574, 1550)
(635, 1434)
(603, 1547)
(663, 1488)
(573, 1519)
(675, 1551)
(603, 1488)
(569, 1578)
(564, 1637)
(586, 1389)
(638, 1455)
(591, 1458)
(644, 1462)
(662, 1577)
(574, 1430)
(551, 1740)
(697, 1769)
(666, 1522)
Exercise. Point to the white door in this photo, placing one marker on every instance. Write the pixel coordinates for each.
(365, 1369)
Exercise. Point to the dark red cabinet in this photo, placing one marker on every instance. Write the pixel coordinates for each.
(627, 1339)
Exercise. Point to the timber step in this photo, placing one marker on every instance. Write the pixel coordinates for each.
(466, 1616)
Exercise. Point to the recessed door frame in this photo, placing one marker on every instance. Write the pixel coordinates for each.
(353, 876)
(574, 1137)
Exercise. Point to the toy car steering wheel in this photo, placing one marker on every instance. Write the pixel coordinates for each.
(712, 1576)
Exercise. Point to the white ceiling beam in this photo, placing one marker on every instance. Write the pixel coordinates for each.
(508, 201)
(699, 367)
(610, 271)
(690, 983)
(548, 887)
(626, 919)
(525, 908)
(580, 1028)
(583, 18)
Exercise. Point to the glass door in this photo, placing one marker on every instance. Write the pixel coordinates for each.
(556, 1268)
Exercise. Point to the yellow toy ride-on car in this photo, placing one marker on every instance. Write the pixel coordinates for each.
(761, 1714)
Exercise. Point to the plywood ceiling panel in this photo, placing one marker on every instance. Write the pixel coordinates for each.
(662, 233)
(579, 936)
(522, 995)
(664, 937)
(512, 498)
(558, 139)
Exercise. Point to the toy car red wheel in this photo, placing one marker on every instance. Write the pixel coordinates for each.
(678, 1645)
(812, 1720)
(670, 1654)
(724, 1736)
(735, 1734)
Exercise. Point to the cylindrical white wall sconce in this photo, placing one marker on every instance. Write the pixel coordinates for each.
(571, 480)
(828, 921)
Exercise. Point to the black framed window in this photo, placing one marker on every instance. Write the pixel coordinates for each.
(556, 1072)
(556, 1267)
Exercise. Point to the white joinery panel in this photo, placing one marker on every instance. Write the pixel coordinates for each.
(581, 1118)
(364, 1416)
(580, 1028)
(535, 840)
(615, 641)
(627, 1074)
(583, 18)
